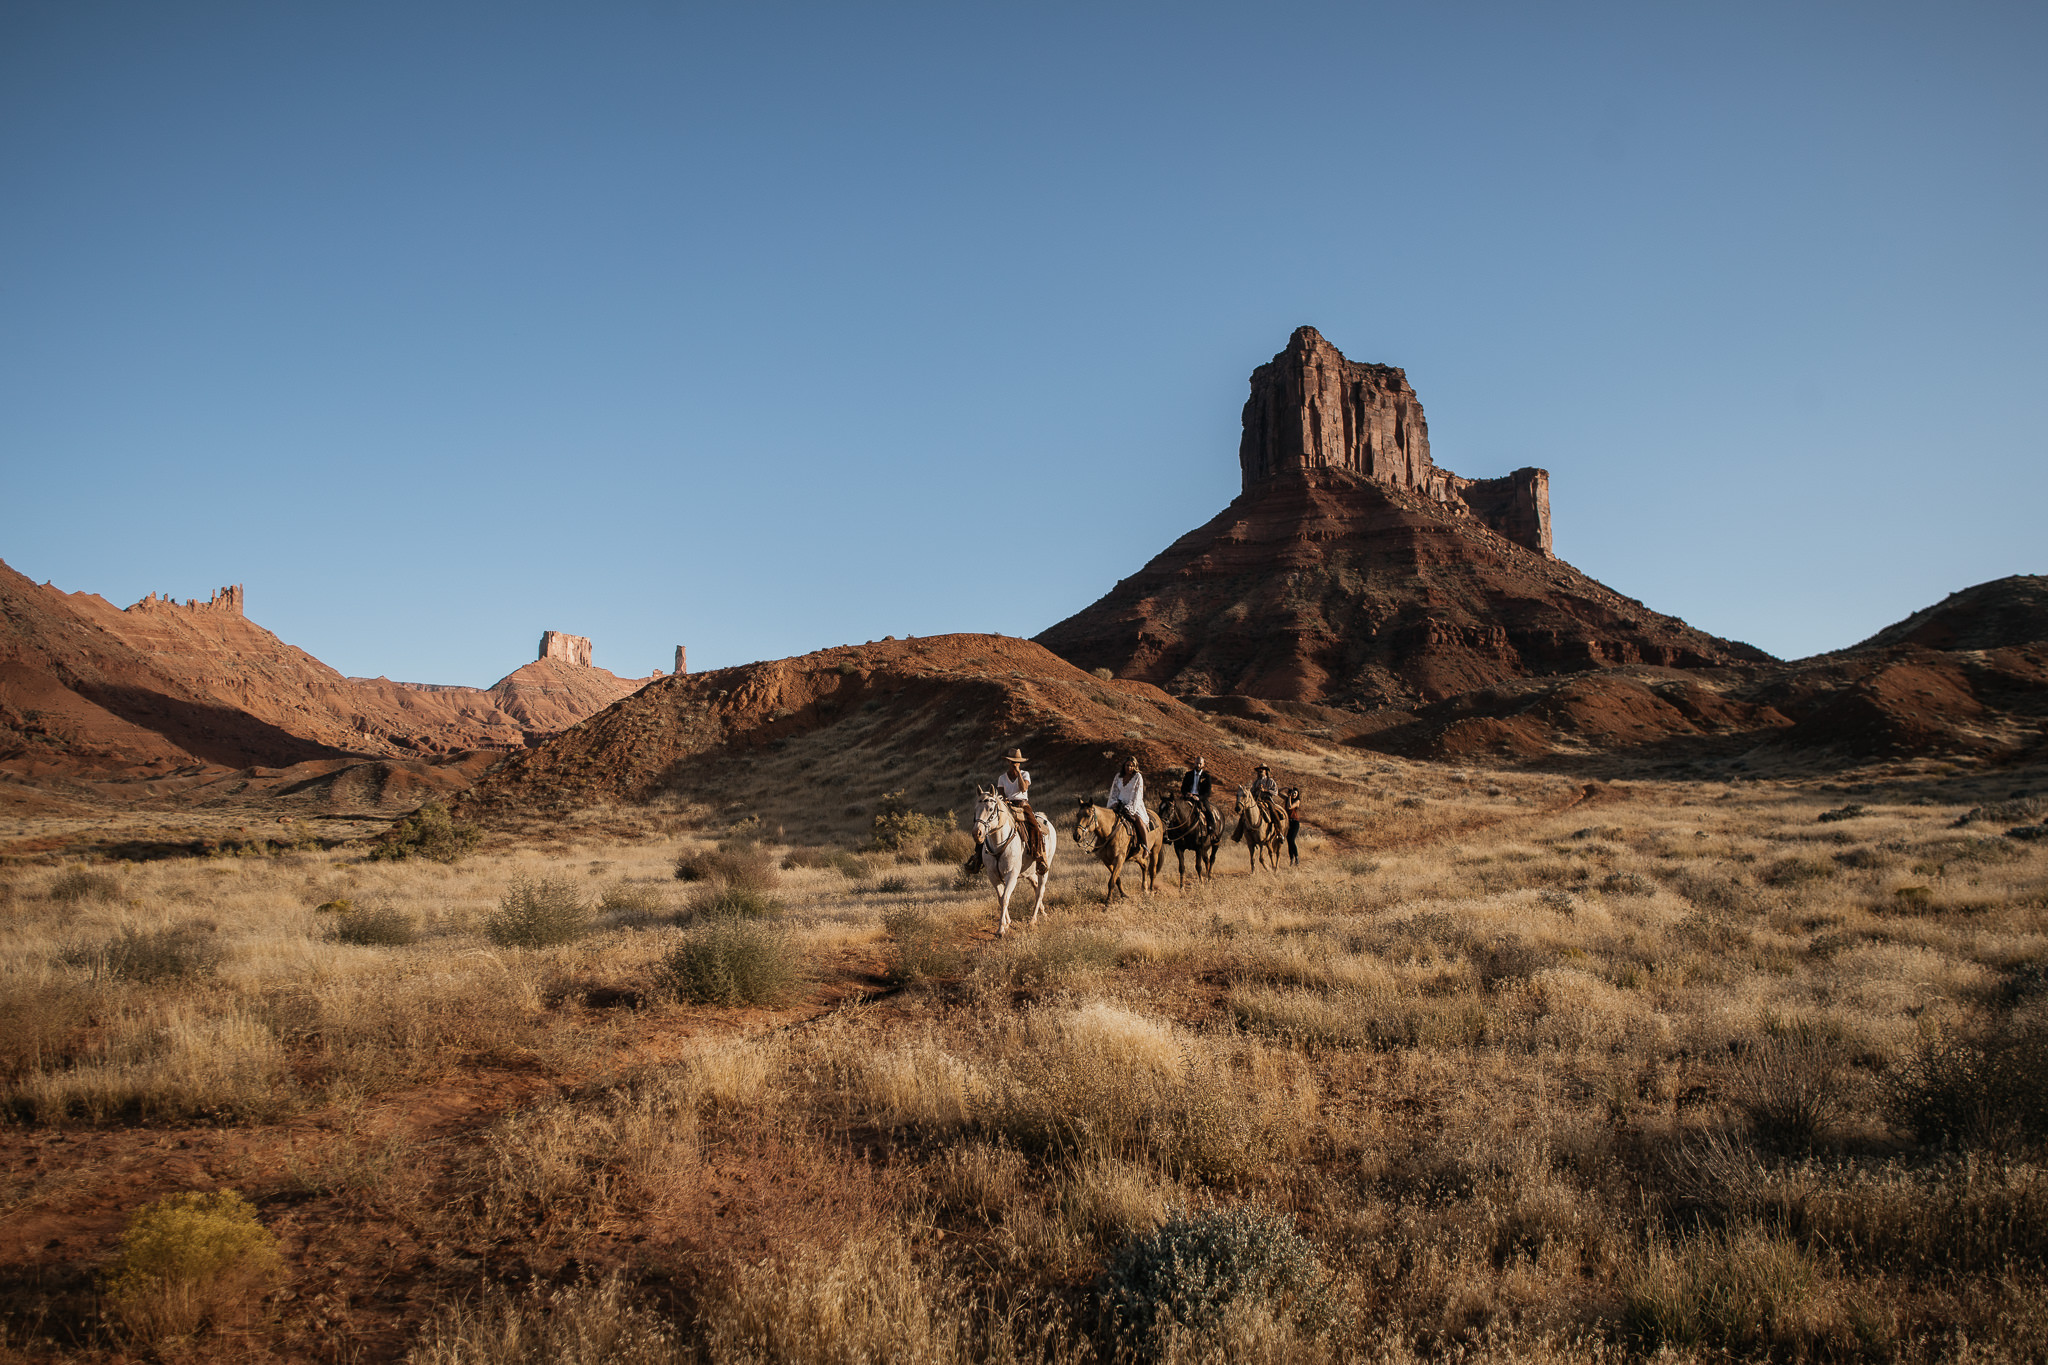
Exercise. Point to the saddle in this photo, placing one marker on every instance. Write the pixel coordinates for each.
(1274, 814)
(1027, 822)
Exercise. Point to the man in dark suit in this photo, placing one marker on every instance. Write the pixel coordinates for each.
(1195, 784)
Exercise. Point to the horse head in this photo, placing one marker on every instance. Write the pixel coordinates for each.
(989, 811)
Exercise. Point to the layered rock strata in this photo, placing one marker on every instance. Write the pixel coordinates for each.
(1312, 410)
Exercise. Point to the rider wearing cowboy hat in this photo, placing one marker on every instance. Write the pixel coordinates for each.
(1267, 793)
(1015, 785)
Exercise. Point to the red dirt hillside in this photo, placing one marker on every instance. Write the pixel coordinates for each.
(800, 737)
(165, 683)
(1889, 698)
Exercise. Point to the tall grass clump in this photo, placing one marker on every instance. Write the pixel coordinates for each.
(737, 863)
(1791, 1084)
(626, 902)
(376, 926)
(190, 1259)
(171, 953)
(1984, 1090)
(730, 961)
(430, 832)
(84, 884)
(579, 1324)
(1183, 1282)
(918, 951)
(734, 902)
(539, 914)
(1747, 1292)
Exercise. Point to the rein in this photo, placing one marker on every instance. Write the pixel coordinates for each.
(1006, 825)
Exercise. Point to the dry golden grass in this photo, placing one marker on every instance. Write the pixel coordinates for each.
(1540, 1077)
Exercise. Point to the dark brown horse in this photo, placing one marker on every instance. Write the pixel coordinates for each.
(1180, 818)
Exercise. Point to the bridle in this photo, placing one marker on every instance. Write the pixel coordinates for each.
(997, 818)
(1181, 815)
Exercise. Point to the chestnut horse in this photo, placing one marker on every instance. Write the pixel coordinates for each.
(1258, 829)
(1098, 830)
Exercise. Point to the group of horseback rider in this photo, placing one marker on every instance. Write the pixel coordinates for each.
(1127, 801)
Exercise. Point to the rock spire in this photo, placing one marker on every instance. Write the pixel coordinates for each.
(1311, 410)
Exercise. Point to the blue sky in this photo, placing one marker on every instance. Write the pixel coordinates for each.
(768, 327)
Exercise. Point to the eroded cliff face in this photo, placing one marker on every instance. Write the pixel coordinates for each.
(1312, 410)
(1354, 571)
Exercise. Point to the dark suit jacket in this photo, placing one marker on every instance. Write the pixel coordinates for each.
(1196, 784)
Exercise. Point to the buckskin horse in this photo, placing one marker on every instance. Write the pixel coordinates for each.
(1180, 820)
(1097, 829)
(1258, 829)
(1003, 853)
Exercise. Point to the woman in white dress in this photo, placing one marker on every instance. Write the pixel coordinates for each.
(1127, 796)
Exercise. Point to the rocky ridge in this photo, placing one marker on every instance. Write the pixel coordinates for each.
(166, 684)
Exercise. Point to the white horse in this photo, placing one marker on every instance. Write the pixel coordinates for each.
(1003, 852)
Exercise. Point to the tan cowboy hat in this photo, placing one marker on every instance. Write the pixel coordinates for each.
(1014, 756)
(1262, 768)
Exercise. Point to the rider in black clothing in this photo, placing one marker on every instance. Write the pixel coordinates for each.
(1196, 784)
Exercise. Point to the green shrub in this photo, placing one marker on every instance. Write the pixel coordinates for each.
(1194, 1269)
(898, 827)
(187, 1259)
(380, 926)
(734, 902)
(429, 832)
(918, 951)
(1987, 1090)
(149, 955)
(84, 884)
(539, 914)
(1829, 817)
(732, 961)
(952, 848)
(1105, 674)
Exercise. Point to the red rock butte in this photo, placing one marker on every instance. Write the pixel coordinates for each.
(1354, 571)
(1312, 410)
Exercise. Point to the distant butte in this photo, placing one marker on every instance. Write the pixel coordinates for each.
(84, 684)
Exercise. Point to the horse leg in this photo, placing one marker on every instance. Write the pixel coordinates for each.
(1004, 891)
(1041, 875)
